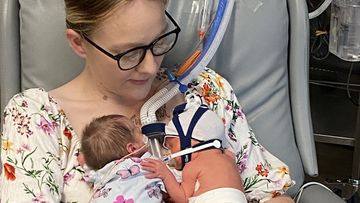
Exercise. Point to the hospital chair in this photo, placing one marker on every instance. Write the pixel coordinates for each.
(264, 55)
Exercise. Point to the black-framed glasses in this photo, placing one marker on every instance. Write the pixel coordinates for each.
(133, 57)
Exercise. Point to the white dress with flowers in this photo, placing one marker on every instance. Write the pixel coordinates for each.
(40, 148)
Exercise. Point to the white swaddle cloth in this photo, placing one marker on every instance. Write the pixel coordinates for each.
(125, 182)
(220, 195)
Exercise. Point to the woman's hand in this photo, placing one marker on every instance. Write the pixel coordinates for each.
(155, 168)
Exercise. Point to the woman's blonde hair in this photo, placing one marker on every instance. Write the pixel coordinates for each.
(84, 16)
(105, 138)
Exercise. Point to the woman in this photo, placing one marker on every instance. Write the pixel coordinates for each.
(42, 130)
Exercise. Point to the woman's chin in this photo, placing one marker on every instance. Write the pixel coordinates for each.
(139, 95)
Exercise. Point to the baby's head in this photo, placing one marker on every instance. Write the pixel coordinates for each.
(109, 138)
(208, 126)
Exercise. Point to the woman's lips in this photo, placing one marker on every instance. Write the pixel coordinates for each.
(139, 82)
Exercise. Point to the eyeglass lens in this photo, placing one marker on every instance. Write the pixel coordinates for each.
(158, 48)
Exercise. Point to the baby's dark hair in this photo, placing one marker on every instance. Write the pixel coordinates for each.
(105, 138)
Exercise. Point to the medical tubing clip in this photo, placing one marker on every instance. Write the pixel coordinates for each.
(172, 78)
(153, 130)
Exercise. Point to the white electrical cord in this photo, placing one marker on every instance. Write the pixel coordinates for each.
(320, 10)
(297, 197)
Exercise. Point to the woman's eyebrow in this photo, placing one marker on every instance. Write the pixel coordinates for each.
(123, 47)
(118, 48)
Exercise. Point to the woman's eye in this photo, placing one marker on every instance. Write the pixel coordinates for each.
(132, 56)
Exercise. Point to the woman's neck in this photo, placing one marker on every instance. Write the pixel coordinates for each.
(94, 90)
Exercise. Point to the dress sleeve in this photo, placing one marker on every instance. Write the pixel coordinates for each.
(30, 153)
(264, 176)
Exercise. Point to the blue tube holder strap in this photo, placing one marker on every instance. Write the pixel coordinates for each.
(154, 129)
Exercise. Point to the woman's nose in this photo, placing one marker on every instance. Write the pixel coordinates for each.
(150, 64)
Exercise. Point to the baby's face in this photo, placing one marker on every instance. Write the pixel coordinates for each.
(173, 144)
(139, 141)
(139, 137)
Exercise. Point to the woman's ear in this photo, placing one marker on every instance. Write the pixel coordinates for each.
(76, 42)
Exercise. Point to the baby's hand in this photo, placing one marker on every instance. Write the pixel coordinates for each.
(155, 168)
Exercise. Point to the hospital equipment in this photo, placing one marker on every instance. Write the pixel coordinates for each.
(273, 90)
(344, 33)
(212, 40)
(345, 29)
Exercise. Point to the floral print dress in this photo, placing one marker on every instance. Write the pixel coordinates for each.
(40, 148)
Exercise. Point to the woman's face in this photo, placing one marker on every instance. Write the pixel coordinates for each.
(133, 24)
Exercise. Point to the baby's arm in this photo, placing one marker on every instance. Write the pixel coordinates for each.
(178, 192)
